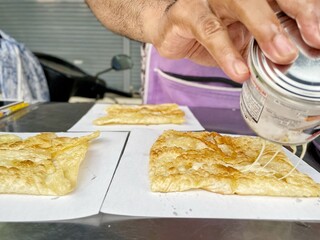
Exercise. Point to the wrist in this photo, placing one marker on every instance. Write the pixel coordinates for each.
(152, 18)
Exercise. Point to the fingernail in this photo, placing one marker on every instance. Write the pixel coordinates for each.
(284, 46)
(240, 67)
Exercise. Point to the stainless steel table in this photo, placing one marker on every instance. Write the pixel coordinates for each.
(58, 117)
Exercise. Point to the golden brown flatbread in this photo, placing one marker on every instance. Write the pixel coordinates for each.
(44, 164)
(142, 115)
(181, 161)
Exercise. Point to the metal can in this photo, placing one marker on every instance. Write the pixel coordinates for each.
(281, 103)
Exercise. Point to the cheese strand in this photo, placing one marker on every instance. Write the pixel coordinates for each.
(271, 159)
(291, 171)
(303, 152)
(294, 148)
(259, 156)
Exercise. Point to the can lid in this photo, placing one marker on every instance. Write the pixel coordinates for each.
(302, 77)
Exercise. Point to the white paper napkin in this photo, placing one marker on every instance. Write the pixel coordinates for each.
(130, 194)
(99, 110)
(94, 177)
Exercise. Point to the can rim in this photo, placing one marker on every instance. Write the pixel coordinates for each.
(271, 74)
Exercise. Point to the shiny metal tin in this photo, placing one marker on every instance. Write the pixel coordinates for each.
(282, 102)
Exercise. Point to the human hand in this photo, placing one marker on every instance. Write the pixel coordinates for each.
(217, 32)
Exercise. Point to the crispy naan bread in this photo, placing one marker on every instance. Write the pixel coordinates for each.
(142, 115)
(181, 161)
(44, 164)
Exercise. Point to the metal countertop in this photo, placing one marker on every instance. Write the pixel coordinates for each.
(58, 117)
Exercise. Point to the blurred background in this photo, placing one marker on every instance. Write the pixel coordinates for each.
(67, 29)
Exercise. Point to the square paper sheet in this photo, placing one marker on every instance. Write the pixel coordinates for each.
(94, 177)
(99, 110)
(130, 194)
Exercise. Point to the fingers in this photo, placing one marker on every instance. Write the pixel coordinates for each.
(307, 15)
(212, 34)
(191, 30)
(209, 22)
(261, 21)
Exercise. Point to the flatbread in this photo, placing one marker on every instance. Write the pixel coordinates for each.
(181, 161)
(44, 164)
(142, 115)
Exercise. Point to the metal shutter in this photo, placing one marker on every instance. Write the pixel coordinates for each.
(68, 29)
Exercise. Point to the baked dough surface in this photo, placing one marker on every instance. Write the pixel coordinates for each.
(181, 161)
(142, 115)
(44, 164)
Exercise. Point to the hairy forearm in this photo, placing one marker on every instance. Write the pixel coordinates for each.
(135, 19)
